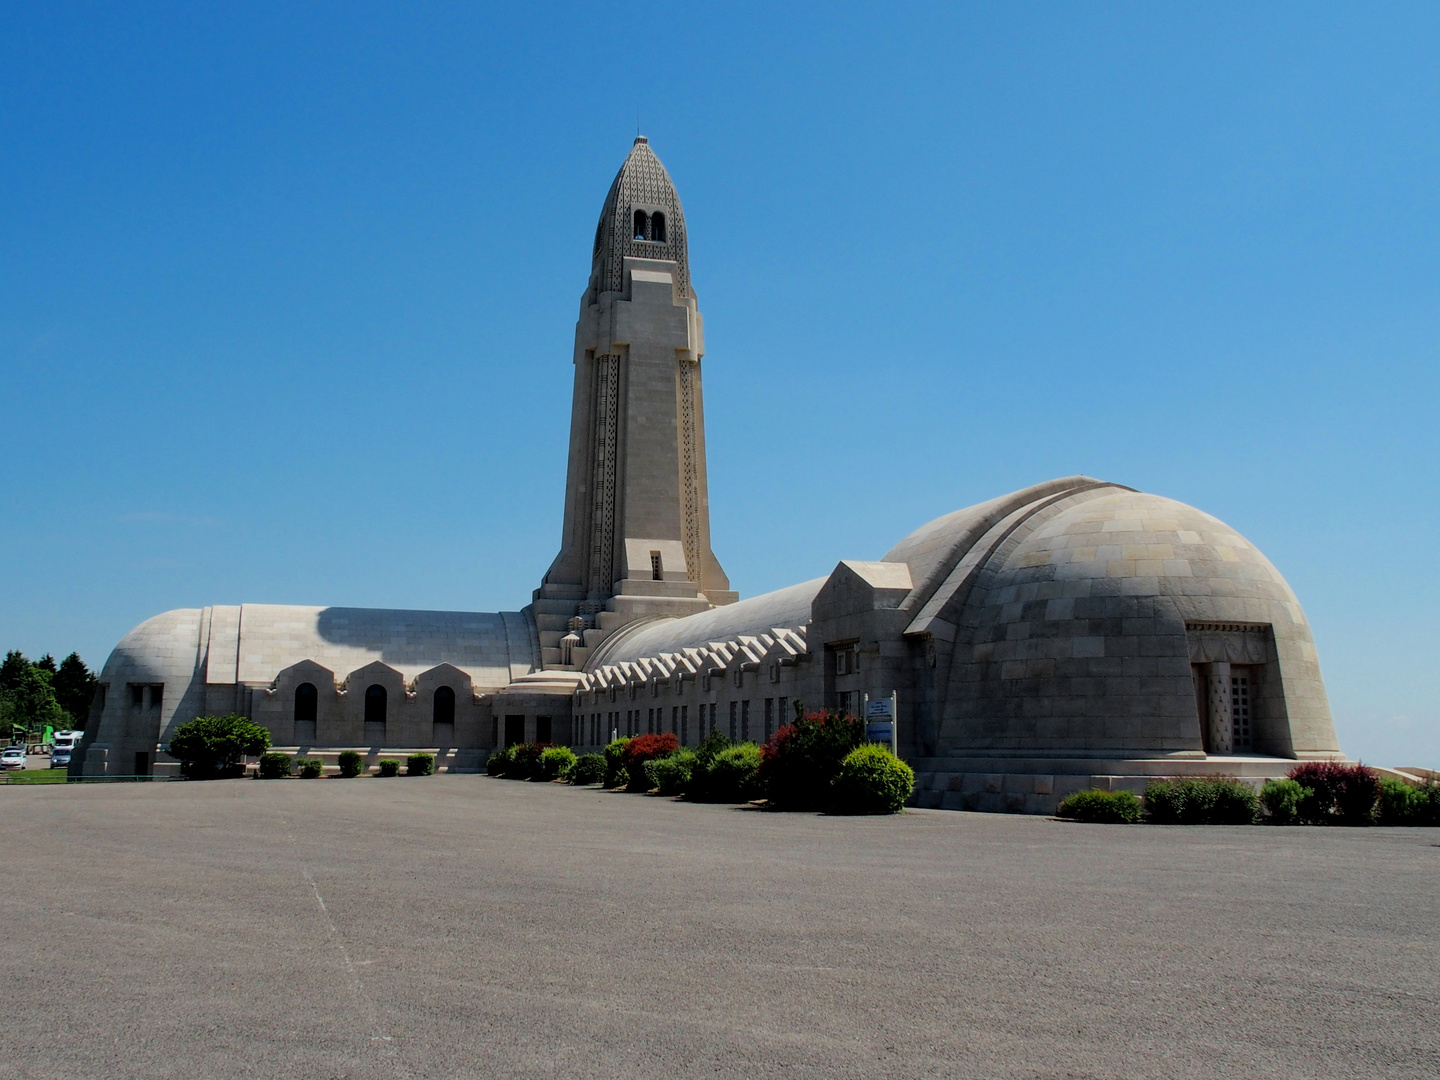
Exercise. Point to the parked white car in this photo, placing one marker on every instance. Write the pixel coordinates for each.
(12, 757)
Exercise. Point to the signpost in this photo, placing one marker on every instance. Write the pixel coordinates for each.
(881, 715)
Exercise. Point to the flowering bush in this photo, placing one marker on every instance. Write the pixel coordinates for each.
(645, 748)
(525, 761)
(1339, 794)
(798, 765)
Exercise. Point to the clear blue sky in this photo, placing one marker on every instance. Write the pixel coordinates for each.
(287, 293)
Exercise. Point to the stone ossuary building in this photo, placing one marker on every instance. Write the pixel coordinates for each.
(1071, 634)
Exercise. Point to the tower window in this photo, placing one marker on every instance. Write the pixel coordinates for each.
(657, 228)
(444, 710)
(642, 225)
(655, 566)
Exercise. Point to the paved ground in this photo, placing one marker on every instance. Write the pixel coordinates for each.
(463, 926)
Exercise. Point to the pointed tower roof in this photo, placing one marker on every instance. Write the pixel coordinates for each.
(642, 219)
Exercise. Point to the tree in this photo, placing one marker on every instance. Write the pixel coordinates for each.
(27, 700)
(210, 747)
(74, 685)
(13, 672)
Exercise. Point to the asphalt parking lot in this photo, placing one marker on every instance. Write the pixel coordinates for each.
(464, 926)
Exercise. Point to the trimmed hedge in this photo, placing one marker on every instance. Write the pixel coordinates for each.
(588, 769)
(871, 780)
(1282, 799)
(274, 766)
(351, 763)
(556, 763)
(671, 775)
(1201, 800)
(800, 762)
(615, 772)
(311, 768)
(642, 749)
(1103, 807)
(388, 766)
(419, 764)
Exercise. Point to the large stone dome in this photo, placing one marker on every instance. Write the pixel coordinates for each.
(1092, 620)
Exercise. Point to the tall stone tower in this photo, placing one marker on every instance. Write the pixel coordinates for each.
(636, 539)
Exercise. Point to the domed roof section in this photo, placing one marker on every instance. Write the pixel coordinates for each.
(1078, 630)
(642, 219)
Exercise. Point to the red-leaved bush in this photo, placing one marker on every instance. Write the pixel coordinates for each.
(645, 748)
(1342, 794)
(798, 764)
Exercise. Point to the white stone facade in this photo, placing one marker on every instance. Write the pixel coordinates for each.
(1076, 633)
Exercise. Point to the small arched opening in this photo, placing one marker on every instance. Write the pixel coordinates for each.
(444, 711)
(307, 705)
(642, 225)
(375, 702)
(657, 227)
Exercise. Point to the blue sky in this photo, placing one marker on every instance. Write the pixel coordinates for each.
(287, 293)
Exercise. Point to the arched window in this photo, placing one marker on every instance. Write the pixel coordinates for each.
(444, 705)
(657, 228)
(307, 702)
(642, 225)
(375, 704)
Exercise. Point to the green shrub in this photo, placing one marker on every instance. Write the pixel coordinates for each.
(419, 764)
(311, 768)
(351, 763)
(671, 775)
(556, 763)
(1402, 803)
(388, 766)
(274, 766)
(871, 780)
(1105, 807)
(588, 769)
(210, 747)
(1201, 800)
(499, 761)
(1282, 800)
(615, 772)
(734, 774)
(802, 760)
